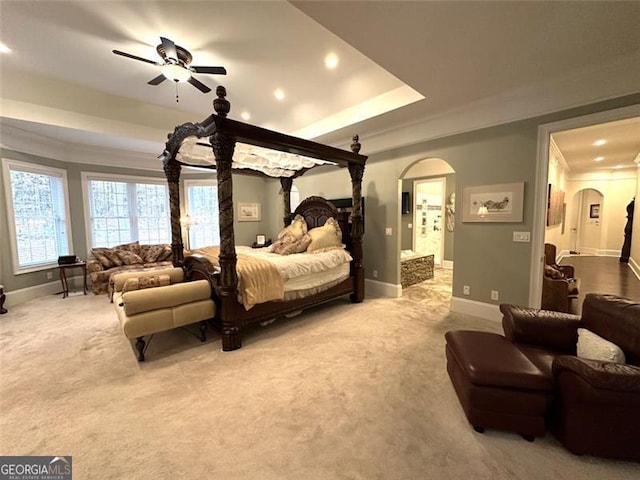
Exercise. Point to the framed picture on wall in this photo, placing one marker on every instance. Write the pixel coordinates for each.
(594, 210)
(493, 203)
(249, 212)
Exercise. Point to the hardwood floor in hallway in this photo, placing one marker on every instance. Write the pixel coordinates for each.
(604, 275)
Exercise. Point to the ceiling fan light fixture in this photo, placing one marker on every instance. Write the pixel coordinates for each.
(175, 72)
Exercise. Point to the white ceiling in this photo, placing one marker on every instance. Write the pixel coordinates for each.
(518, 58)
(621, 149)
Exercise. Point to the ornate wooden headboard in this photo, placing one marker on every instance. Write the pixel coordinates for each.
(316, 211)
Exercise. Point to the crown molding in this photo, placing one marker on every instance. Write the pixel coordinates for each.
(13, 138)
(558, 155)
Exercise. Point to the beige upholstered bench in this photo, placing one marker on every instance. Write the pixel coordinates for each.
(159, 300)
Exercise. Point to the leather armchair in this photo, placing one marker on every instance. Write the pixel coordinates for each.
(559, 292)
(597, 406)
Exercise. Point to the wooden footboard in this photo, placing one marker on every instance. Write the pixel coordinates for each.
(198, 267)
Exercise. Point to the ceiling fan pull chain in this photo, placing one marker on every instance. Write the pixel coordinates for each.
(177, 98)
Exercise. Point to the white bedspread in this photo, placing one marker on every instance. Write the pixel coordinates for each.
(299, 264)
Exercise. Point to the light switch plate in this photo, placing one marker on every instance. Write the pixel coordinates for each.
(388, 231)
(522, 236)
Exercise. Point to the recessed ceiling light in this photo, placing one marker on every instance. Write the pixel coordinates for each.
(279, 94)
(245, 115)
(4, 48)
(331, 61)
(599, 159)
(618, 166)
(599, 143)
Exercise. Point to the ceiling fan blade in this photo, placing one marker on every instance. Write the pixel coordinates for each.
(158, 80)
(128, 55)
(212, 70)
(199, 85)
(169, 48)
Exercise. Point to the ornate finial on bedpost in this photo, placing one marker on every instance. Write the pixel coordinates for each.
(355, 146)
(221, 105)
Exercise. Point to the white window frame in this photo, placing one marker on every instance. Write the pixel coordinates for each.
(186, 185)
(7, 166)
(110, 177)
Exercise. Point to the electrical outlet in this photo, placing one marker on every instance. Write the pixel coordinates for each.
(494, 295)
(388, 231)
(375, 274)
(49, 275)
(410, 225)
(466, 290)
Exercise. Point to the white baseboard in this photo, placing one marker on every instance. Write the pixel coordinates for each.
(477, 309)
(590, 252)
(635, 268)
(608, 253)
(382, 289)
(448, 264)
(17, 297)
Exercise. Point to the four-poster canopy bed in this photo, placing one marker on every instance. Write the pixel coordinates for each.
(243, 148)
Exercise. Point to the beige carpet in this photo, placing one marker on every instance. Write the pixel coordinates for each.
(342, 391)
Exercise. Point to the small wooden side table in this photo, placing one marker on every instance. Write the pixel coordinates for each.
(63, 276)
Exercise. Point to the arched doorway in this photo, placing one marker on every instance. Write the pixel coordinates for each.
(427, 225)
(586, 233)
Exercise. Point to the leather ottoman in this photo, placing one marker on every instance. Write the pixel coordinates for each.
(496, 383)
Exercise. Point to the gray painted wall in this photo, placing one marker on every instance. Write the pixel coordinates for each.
(246, 189)
(485, 257)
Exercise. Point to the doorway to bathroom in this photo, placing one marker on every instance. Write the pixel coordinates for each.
(428, 233)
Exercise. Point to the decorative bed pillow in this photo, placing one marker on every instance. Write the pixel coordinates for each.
(295, 246)
(281, 244)
(297, 228)
(595, 347)
(128, 257)
(325, 238)
(149, 281)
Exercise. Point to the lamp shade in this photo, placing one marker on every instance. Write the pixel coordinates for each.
(175, 72)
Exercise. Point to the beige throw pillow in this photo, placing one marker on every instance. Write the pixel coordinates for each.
(594, 347)
(325, 238)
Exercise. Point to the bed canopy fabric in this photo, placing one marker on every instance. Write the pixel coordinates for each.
(227, 145)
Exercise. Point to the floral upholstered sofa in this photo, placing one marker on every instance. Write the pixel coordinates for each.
(104, 262)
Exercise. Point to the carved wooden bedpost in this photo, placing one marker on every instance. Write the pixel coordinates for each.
(223, 148)
(287, 183)
(172, 171)
(356, 172)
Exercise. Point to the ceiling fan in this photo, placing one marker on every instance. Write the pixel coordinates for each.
(176, 65)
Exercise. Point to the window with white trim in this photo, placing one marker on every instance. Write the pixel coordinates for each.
(38, 214)
(125, 209)
(202, 225)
